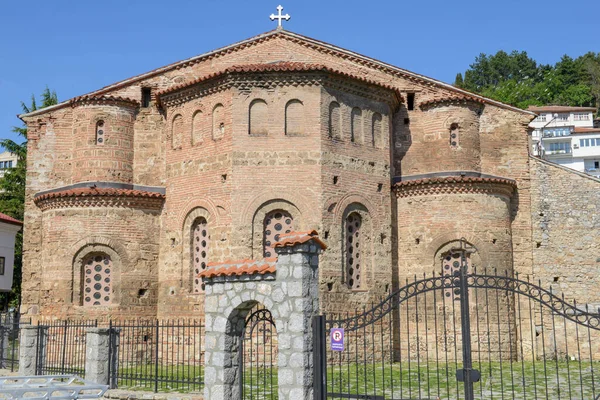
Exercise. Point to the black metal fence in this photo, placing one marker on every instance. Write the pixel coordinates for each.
(10, 324)
(467, 336)
(153, 355)
(157, 355)
(61, 347)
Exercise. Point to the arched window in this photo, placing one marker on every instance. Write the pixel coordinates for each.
(218, 118)
(197, 128)
(335, 120)
(177, 132)
(376, 130)
(356, 128)
(451, 262)
(353, 261)
(97, 271)
(258, 115)
(199, 251)
(276, 222)
(294, 118)
(100, 132)
(454, 137)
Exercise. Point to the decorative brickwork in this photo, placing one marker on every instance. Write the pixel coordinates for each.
(353, 251)
(276, 223)
(200, 241)
(333, 137)
(100, 197)
(455, 184)
(97, 269)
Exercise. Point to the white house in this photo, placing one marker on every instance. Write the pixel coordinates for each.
(8, 230)
(566, 136)
(7, 160)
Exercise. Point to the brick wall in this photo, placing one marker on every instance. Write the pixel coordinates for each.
(212, 166)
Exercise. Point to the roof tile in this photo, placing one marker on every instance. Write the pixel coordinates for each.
(9, 220)
(295, 238)
(240, 267)
(277, 67)
(95, 191)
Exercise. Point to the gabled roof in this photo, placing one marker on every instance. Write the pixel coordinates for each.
(10, 220)
(300, 39)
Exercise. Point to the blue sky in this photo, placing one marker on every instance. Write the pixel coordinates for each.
(76, 46)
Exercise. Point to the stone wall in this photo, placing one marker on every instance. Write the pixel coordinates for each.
(566, 220)
(289, 290)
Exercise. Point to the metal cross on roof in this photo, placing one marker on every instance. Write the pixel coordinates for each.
(280, 17)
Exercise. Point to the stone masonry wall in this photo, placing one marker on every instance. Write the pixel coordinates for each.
(566, 220)
(129, 236)
(291, 294)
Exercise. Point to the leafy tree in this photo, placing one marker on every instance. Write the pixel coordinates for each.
(517, 79)
(458, 82)
(12, 188)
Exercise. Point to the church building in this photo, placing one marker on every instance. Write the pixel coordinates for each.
(133, 189)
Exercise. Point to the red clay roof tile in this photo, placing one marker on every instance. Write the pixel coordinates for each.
(455, 179)
(295, 238)
(10, 220)
(86, 192)
(586, 130)
(277, 67)
(454, 97)
(101, 98)
(240, 267)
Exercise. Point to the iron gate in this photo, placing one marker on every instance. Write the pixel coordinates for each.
(258, 364)
(461, 336)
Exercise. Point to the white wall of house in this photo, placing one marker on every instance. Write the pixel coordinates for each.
(7, 250)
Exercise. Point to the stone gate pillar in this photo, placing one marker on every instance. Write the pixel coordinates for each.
(32, 355)
(288, 287)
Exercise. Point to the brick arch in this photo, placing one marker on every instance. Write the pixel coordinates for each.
(258, 117)
(259, 217)
(300, 202)
(367, 243)
(197, 121)
(97, 244)
(340, 205)
(193, 204)
(187, 273)
(444, 241)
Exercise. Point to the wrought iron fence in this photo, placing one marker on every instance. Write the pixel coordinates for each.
(61, 347)
(471, 336)
(157, 355)
(10, 324)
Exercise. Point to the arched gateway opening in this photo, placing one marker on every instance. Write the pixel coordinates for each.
(258, 350)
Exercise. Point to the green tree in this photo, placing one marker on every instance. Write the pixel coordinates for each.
(517, 79)
(12, 187)
(458, 81)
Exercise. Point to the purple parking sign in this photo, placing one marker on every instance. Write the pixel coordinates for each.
(337, 339)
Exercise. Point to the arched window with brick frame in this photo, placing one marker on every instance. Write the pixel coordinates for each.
(294, 118)
(100, 132)
(199, 238)
(97, 271)
(353, 246)
(335, 120)
(275, 223)
(376, 130)
(258, 117)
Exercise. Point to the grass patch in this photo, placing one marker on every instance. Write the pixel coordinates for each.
(170, 378)
(429, 380)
